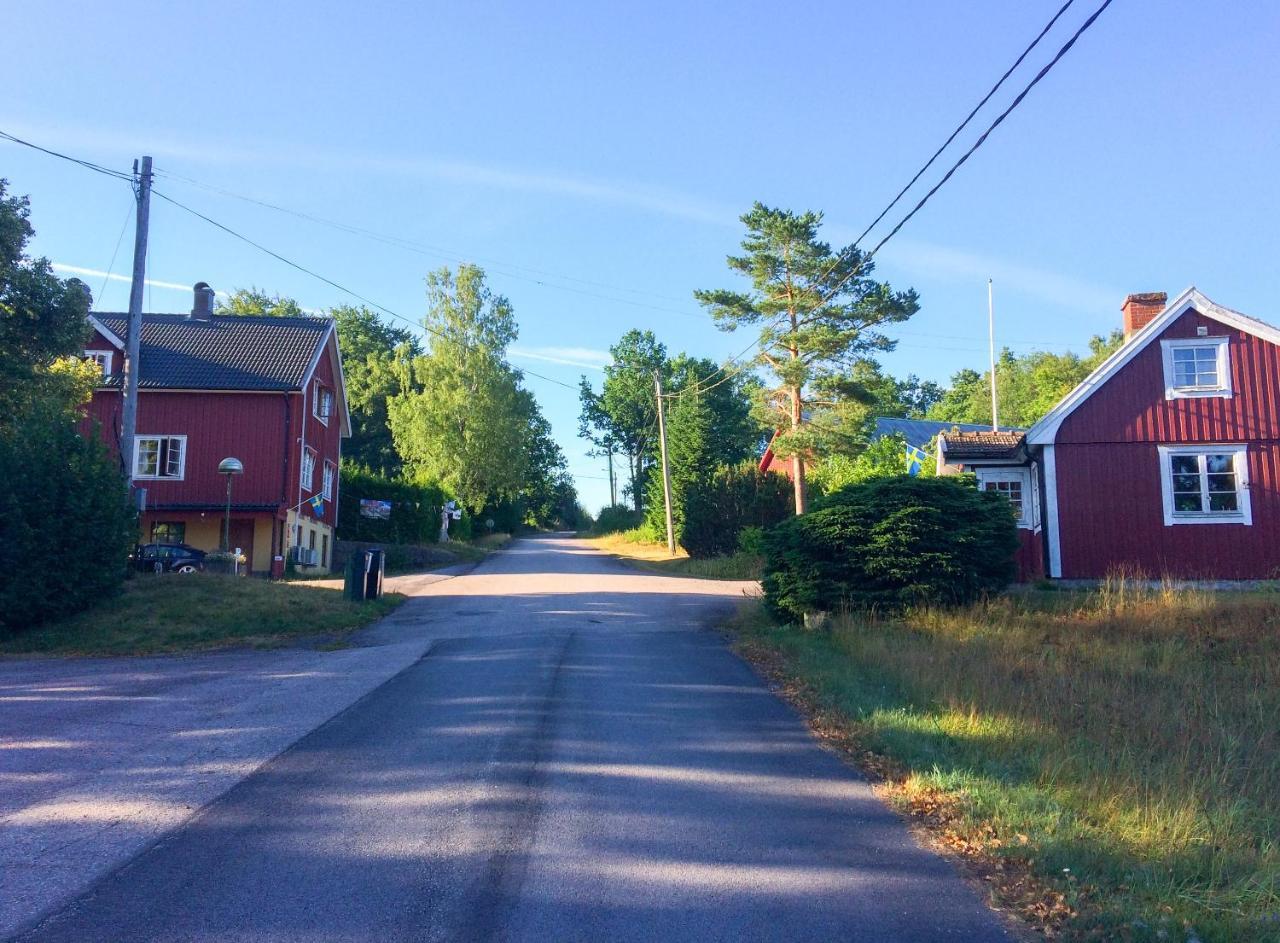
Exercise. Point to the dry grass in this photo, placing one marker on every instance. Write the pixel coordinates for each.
(1121, 747)
(173, 613)
(635, 547)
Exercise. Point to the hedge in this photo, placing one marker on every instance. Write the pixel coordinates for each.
(890, 543)
(415, 509)
(733, 497)
(66, 531)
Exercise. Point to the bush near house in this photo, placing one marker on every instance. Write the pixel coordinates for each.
(733, 498)
(65, 522)
(890, 543)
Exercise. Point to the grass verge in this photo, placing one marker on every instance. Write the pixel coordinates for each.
(1109, 762)
(176, 613)
(636, 549)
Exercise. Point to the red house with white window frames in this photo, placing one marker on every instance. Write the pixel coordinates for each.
(1164, 461)
(266, 390)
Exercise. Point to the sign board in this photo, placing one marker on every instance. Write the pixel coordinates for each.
(379, 510)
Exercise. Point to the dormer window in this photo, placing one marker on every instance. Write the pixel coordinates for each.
(321, 402)
(1196, 367)
(102, 358)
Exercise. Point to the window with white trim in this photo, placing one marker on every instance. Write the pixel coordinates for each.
(1015, 485)
(160, 456)
(308, 479)
(321, 402)
(102, 358)
(1205, 484)
(326, 480)
(1196, 366)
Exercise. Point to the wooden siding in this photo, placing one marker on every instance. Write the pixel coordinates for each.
(1108, 470)
(248, 426)
(324, 440)
(1029, 558)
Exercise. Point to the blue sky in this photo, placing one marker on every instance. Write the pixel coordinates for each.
(595, 158)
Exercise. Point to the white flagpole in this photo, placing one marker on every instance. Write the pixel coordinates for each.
(991, 344)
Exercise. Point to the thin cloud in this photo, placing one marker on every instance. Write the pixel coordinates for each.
(584, 357)
(149, 282)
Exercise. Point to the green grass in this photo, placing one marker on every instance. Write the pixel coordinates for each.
(1121, 747)
(176, 613)
(636, 547)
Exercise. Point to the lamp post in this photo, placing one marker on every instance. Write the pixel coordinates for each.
(229, 467)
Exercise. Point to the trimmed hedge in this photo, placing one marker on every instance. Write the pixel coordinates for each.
(66, 526)
(415, 509)
(890, 543)
(733, 497)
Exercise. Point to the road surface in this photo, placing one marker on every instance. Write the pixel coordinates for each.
(575, 757)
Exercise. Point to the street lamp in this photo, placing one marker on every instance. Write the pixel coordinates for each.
(229, 467)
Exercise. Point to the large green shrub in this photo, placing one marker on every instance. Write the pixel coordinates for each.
(415, 509)
(66, 526)
(733, 497)
(890, 543)
(616, 518)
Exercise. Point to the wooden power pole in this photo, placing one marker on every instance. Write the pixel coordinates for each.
(666, 469)
(129, 379)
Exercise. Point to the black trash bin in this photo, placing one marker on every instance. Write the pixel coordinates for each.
(377, 569)
(356, 575)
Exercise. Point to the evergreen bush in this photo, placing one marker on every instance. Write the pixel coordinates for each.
(66, 532)
(889, 543)
(615, 519)
(718, 508)
(415, 508)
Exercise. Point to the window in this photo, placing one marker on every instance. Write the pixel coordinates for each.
(1196, 366)
(159, 456)
(102, 358)
(311, 539)
(308, 469)
(1207, 484)
(1015, 485)
(326, 481)
(324, 550)
(321, 402)
(168, 532)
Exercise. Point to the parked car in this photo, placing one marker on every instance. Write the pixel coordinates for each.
(168, 558)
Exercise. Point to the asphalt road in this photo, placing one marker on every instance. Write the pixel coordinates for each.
(575, 758)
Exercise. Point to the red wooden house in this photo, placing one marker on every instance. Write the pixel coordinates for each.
(266, 390)
(1163, 461)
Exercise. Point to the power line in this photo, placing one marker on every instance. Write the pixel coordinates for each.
(866, 259)
(328, 281)
(965, 123)
(89, 165)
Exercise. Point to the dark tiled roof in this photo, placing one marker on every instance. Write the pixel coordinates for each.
(967, 446)
(918, 432)
(227, 352)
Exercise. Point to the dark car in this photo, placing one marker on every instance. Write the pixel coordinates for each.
(168, 558)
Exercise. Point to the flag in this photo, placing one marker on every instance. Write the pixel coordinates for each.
(317, 504)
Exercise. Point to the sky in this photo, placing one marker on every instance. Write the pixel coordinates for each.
(594, 159)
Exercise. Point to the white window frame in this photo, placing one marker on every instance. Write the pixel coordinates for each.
(182, 457)
(1222, 390)
(308, 473)
(1023, 477)
(327, 476)
(1240, 465)
(102, 358)
(318, 390)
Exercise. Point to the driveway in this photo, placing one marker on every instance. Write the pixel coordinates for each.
(559, 752)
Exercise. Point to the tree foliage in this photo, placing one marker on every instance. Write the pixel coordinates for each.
(1029, 385)
(256, 301)
(818, 312)
(623, 416)
(374, 355)
(719, 506)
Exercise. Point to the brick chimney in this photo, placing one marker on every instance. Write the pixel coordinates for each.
(1140, 309)
(203, 308)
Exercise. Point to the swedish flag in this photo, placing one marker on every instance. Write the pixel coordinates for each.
(317, 504)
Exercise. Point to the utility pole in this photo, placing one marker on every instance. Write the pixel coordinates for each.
(613, 491)
(666, 469)
(991, 345)
(129, 380)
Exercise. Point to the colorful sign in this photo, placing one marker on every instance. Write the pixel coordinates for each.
(379, 510)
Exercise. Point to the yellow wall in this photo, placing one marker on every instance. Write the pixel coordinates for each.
(204, 532)
(309, 526)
